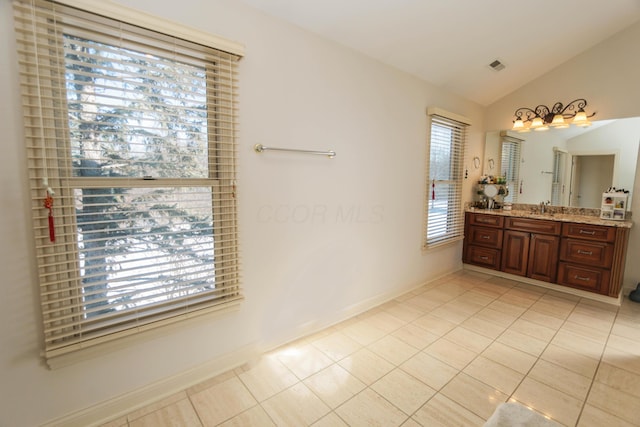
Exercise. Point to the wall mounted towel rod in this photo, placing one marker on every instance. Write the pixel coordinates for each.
(259, 148)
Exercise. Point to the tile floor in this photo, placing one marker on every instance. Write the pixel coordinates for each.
(444, 355)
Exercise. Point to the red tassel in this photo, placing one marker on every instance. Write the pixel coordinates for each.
(48, 203)
(52, 230)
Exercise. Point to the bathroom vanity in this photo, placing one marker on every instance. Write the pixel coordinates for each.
(581, 252)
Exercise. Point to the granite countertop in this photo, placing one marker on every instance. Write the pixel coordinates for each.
(556, 214)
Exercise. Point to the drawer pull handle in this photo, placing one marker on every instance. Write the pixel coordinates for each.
(486, 237)
(591, 233)
(584, 279)
(580, 251)
(484, 258)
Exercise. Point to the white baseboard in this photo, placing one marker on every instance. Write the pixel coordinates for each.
(125, 403)
(558, 288)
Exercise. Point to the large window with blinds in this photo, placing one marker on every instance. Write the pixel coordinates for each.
(130, 140)
(444, 213)
(510, 166)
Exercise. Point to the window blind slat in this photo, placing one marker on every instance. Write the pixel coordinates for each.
(105, 105)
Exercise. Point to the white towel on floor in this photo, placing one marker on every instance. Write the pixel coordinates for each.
(512, 414)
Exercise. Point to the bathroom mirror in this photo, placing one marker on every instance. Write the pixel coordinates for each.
(570, 167)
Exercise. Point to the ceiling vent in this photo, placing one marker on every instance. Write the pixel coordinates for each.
(497, 65)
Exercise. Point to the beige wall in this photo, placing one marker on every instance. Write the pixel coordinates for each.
(320, 238)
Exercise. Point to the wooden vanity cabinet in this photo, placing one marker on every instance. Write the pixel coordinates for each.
(483, 240)
(583, 256)
(592, 257)
(530, 248)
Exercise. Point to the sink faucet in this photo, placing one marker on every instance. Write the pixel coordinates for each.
(543, 205)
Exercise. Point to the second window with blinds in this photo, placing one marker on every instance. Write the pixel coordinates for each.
(444, 213)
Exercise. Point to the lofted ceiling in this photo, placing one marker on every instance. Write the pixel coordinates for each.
(450, 43)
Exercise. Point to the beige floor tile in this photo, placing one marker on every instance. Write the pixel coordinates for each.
(403, 390)
(508, 313)
(404, 312)
(336, 345)
(522, 342)
(515, 359)
(519, 298)
(626, 328)
(494, 374)
(434, 325)
(410, 423)
(363, 333)
(384, 322)
(622, 359)
(532, 329)
(304, 360)
(628, 345)
(468, 339)
(423, 303)
(614, 402)
(483, 327)
(255, 416)
(619, 379)
(477, 297)
(167, 401)
(330, 420)
(222, 401)
(568, 359)
(266, 377)
(370, 409)
(474, 395)
(543, 319)
(585, 331)
(561, 379)
(579, 344)
(180, 413)
(554, 306)
(548, 401)
(429, 370)
(334, 385)
(594, 417)
(296, 406)
(452, 313)
(393, 349)
(367, 366)
(415, 336)
(596, 318)
(441, 411)
(495, 316)
(118, 422)
(450, 353)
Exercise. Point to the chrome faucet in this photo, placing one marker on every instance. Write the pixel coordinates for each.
(543, 205)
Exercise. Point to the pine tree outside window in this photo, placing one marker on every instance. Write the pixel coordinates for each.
(133, 134)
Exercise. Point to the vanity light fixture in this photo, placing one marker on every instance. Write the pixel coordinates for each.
(543, 117)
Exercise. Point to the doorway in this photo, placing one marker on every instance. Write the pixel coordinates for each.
(591, 175)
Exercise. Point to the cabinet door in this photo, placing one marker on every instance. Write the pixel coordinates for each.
(543, 257)
(515, 252)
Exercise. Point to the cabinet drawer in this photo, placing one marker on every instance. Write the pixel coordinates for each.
(483, 236)
(590, 232)
(533, 225)
(582, 277)
(595, 254)
(485, 220)
(484, 257)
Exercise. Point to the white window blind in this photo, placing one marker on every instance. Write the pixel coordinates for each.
(444, 213)
(510, 165)
(133, 132)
